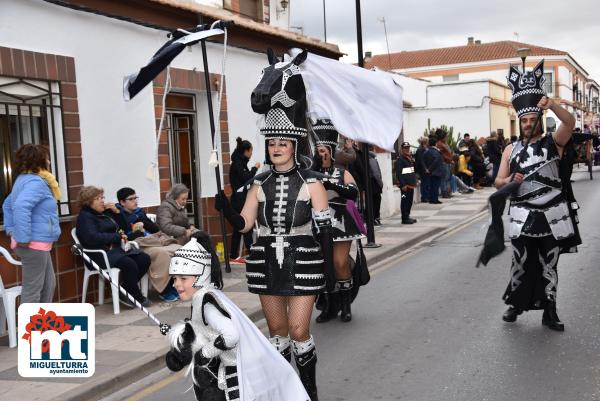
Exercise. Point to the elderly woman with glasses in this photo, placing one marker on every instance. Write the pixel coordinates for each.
(100, 226)
(172, 215)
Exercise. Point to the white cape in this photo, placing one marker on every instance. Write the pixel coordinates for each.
(263, 374)
(364, 105)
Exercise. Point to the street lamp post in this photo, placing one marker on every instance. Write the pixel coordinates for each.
(387, 43)
(523, 52)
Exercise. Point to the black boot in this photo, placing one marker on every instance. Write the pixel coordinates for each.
(283, 346)
(345, 300)
(511, 314)
(305, 355)
(550, 317)
(330, 309)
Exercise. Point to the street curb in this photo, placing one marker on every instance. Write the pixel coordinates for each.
(131, 372)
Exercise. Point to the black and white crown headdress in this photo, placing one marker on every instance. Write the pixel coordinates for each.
(192, 260)
(278, 126)
(527, 88)
(326, 134)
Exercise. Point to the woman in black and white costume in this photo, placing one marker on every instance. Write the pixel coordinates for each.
(229, 358)
(286, 266)
(341, 188)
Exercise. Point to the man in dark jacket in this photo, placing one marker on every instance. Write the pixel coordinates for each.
(494, 150)
(434, 166)
(420, 168)
(376, 185)
(407, 181)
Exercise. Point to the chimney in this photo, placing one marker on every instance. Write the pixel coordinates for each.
(368, 54)
(470, 41)
(478, 42)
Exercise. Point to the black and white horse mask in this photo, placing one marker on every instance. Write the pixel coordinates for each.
(281, 97)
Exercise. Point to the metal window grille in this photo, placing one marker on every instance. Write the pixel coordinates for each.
(31, 112)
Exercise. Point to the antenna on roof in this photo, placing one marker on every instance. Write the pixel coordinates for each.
(516, 35)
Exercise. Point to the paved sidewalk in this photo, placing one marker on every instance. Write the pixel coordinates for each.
(129, 346)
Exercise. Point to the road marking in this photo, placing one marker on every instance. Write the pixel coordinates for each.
(157, 386)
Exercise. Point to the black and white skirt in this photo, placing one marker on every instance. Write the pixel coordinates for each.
(344, 226)
(297, 269)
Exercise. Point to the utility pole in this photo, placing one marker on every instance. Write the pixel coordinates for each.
(365, 146)
(382, 19)
(324, 22)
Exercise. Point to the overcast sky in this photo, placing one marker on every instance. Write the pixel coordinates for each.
(424, 24)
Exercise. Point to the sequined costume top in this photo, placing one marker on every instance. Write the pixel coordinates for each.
(539, 207)
(344, 226)
(285, 259)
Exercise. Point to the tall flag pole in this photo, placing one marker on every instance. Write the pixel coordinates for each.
(365, 147)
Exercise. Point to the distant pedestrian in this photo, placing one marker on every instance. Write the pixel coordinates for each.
(434, 167)
(239, 175)
(448, 156)
(494, 151)
(407, 181)
(420, 168)
(376, 186)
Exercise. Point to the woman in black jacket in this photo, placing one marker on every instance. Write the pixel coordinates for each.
(99, 226)
(239, 175)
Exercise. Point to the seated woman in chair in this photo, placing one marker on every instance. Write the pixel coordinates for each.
(98, 227)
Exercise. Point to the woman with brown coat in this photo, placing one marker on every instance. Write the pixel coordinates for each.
(172, 215)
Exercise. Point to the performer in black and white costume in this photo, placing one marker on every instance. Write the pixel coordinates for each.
(287, 267)
(341, 188)
(229, 358)
(539, 214)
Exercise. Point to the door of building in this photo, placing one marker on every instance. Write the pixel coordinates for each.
(181, 128)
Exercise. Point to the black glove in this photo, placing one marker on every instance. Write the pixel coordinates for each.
(178, 359)
(346, 191)
(233, 217)
(322, 221)
(188, 336)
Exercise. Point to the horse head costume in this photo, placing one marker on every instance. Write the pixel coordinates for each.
(281, 97)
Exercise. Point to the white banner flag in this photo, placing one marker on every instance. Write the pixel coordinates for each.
(363, 105)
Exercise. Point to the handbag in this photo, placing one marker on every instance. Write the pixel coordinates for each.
(360, 270)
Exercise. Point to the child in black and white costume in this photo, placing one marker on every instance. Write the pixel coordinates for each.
(230, 359)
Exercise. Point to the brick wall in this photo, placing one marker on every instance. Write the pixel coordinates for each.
(52, 67)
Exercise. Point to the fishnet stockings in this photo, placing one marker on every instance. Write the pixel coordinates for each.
(288, 315)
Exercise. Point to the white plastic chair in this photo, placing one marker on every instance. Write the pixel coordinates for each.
(9, 301)
(114, 275)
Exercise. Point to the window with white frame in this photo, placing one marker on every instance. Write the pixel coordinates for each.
(549, 83)
(31, 112)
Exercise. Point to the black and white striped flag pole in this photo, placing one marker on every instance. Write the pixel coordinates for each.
(78, 250)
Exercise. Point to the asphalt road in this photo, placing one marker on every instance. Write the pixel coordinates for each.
(428, 327)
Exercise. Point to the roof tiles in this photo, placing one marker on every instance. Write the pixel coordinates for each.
(457, 55)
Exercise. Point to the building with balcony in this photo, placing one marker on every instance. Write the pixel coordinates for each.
(566, 80)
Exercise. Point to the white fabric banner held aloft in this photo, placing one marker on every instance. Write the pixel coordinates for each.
(363, 105)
